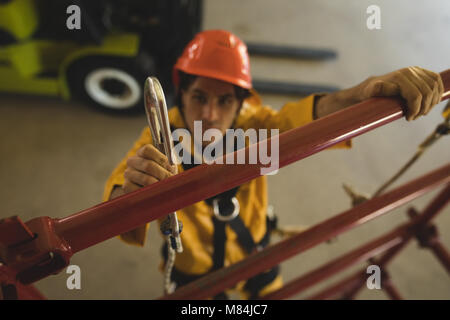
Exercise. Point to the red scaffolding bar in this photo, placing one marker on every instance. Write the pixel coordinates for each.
(391, 242)
(88, 227)
(256, 263)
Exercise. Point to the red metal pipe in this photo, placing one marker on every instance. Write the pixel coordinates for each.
(352, 284)
(441, 253)
(431, 210)
(28, 292)
(106, 220)
(347, 287)
(11, 289)
(389, 288)
(258, 262)
(362, 253)
(392, 242)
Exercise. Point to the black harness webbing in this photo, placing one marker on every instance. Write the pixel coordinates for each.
(245, 239)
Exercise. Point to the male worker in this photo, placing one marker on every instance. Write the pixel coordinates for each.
(213, 83)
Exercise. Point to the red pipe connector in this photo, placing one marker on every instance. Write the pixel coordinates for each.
(35, 250)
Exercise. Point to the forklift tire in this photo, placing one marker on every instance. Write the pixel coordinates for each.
(111, 84)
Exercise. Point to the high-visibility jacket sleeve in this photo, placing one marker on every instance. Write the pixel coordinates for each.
(136, 236)
(291, 115)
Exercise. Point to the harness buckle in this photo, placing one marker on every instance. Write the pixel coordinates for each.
(229, 217)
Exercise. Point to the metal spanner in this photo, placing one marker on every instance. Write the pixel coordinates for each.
(158, 121)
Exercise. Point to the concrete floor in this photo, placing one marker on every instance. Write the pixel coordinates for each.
(56, 156)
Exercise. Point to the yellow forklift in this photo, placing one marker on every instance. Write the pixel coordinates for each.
(103, 63)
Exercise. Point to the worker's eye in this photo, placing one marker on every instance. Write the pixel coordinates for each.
(226, 101)
(199, 99)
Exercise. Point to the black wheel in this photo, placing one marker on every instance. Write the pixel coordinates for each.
(111, 84)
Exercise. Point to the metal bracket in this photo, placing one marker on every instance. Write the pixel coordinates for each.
(33, 250)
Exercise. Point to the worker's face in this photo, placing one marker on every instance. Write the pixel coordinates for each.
(211, 101)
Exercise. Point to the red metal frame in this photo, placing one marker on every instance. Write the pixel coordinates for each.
(256, 263)
(349, 287)
(43, 245)
(391, 242)
(12, 289)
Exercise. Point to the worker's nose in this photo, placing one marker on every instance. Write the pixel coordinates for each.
(210, 111)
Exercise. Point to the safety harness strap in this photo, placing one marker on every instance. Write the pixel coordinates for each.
(245, 239)
(219, 239)
(257, 283)
(244, 236)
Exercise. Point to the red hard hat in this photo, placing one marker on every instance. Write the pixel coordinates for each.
(216, 54)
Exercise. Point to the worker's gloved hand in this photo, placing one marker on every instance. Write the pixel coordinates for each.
(148, 166)
(421, 88)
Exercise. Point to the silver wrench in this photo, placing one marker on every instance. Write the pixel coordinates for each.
(158, 121)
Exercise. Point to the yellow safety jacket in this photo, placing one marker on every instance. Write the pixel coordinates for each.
(197, 234)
